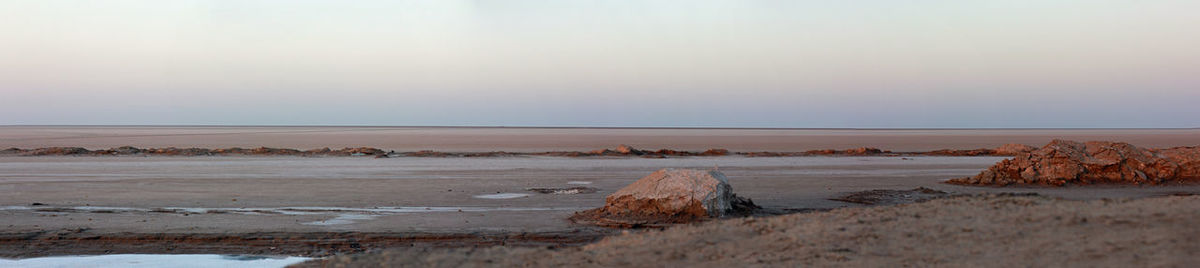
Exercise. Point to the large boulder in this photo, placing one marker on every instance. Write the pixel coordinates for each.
(668, 196)
(1067, 162)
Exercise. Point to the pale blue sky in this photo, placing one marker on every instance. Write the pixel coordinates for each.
(787, 63)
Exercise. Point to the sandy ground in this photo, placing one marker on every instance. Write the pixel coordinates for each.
(980, 231)
(566, 139)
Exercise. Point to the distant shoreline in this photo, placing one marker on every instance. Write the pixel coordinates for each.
(589, 127)
(622, 151)
(538, 139)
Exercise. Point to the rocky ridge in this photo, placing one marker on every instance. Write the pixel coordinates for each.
(620, 151)
(1063, 162)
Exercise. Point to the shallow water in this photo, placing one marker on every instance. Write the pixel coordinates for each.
(341, 215)
(343, 219)
(155, 260)
(502, 196)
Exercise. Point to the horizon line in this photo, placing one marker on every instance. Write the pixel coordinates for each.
(616, 127)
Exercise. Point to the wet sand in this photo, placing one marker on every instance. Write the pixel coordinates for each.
(569, 139)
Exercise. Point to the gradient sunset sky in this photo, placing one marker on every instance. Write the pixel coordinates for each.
(866, 64)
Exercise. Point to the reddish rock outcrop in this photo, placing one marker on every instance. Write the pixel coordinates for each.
(1013, 149)
(626, 149)
(667, 196)
(861, 151)
(1067, 162)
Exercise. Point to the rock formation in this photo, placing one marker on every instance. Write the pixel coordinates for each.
(11, 151)
(1067, 162)
(1013, 149)
(861, 151)
(668, 196)
(715, 152)
(626, 149)
(620, 151)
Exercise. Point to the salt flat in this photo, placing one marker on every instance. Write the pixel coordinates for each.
(55, 205)
(250, 194)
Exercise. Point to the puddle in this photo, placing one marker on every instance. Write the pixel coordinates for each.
(502, 196)
(342, 219)
(156, 260)
(570, 190)
(283, 210)
(340, 215)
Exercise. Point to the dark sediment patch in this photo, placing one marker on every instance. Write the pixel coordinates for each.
(892, 197)
(564, 190)
(82, 241)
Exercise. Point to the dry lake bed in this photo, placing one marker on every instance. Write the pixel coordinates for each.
(315, 206)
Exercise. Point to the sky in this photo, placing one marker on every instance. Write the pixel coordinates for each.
(688, 63)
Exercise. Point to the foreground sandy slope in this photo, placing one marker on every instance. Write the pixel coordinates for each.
(992, 231)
